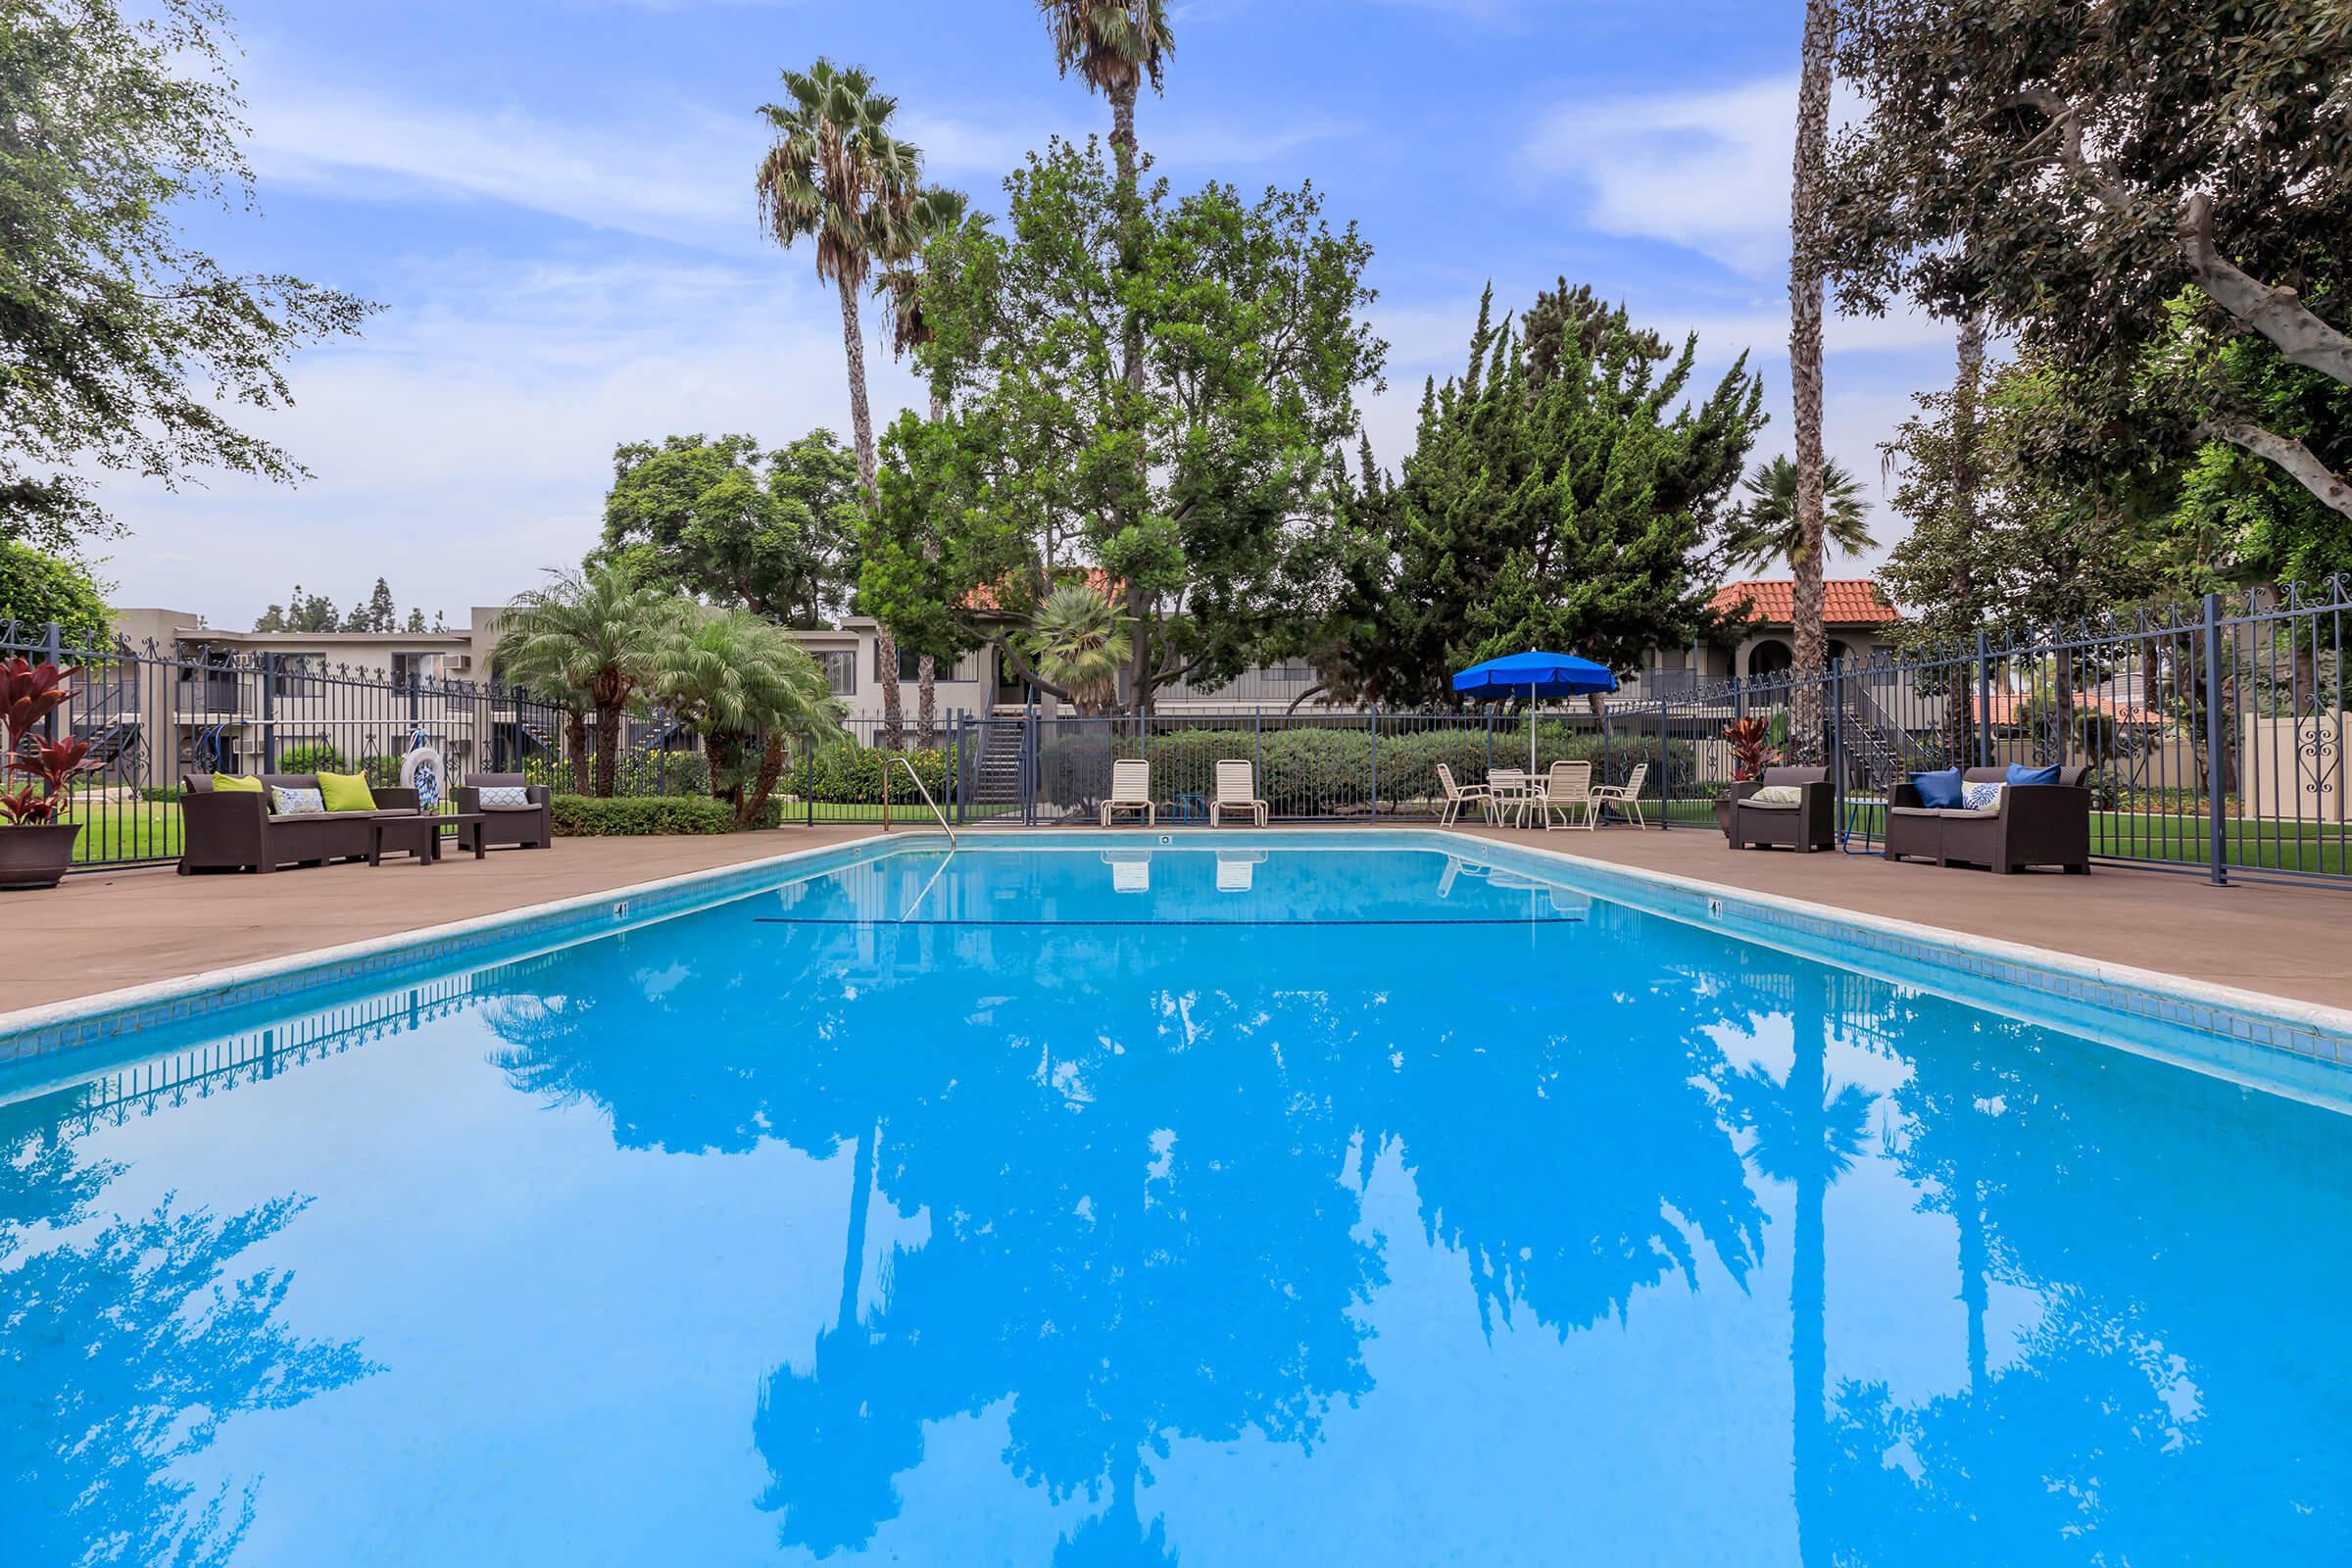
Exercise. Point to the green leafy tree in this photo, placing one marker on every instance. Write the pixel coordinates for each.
(838, 178)
(746, 686)
(2071, 179)
(1567, 509)
(1080, 641)
(770, 531)
(123, 344)
(1194, 494)
(38, 588)
(587, 640)
(378, 614)
(1765, 529)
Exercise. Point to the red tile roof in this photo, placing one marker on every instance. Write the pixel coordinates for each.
(1848, 601)
(984, 597)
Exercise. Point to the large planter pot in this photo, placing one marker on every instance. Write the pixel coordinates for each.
(35, 856)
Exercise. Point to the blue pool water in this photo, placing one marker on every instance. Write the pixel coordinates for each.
(1048, 1205)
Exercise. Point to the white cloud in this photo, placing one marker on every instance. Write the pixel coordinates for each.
(1708, 170)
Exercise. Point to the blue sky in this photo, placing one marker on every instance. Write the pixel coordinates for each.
(552, 198)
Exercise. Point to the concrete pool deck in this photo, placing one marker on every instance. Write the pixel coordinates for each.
(106, 930)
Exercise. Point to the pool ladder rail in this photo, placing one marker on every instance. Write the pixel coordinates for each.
(921, 789)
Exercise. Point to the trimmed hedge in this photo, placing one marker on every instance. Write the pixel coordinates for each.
(1312, 770)
(849, 774)
(585, 816)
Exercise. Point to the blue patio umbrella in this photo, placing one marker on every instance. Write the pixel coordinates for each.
(1532, 675)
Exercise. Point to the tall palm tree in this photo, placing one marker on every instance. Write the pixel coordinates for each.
(935, 211)
(1805, 212)
(1081, 641)
(741, 681)
(590, 631)
(1115, 44)
(1767, 530)
(838, 178)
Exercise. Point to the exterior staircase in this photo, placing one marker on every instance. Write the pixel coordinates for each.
(1877, 746)
(997, 775)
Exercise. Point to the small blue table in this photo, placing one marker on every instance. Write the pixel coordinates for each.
(1188, 807)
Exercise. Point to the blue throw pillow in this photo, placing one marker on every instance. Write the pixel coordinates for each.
(2019, 773)
(1940, 791)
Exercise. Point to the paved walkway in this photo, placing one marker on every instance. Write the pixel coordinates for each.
(2284, 940)
(106, 929)
(109, 929)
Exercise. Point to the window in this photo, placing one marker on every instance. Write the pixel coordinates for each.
(911, 663)
(424, 667)
(299, 675)
(841, 671)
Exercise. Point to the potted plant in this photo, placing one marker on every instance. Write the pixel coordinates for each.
(35, 847)
(1752, 753)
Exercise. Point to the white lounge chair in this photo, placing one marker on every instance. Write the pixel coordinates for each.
(1130, 791)
(1236, 791)
(1457, 798)
(1568, 789)
(1626, 797)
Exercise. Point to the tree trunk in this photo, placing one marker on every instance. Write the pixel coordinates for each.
(861, 429)
(1809, 559)
(1959, 703)
(575, 740)
(608, 750)
(763, 784)
(927, 706)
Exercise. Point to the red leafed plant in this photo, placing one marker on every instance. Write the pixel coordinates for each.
(28, 694)
(1750, 755)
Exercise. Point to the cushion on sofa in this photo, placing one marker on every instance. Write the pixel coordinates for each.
(285, 801)
(1777, 794)
(2019, 773)
(345, 792)
(1939, 790)
(236, 784)
(1982, 800)
(506, 797)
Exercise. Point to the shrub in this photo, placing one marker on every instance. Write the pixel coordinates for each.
(848, 774)
(316, 757)
(587, 816)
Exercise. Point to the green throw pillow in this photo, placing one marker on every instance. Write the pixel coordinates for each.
(236, 784)
(345, 792)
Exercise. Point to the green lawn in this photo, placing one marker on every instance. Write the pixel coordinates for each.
(126, 830)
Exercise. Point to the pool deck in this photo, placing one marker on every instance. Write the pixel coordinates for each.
(2276, 939)
(106, 930)
(102, 930)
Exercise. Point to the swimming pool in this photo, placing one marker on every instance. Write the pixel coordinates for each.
(1278, 1200)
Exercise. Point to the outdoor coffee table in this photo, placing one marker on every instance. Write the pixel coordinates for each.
(420, 835)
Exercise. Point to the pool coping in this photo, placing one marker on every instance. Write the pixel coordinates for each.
(2232, 1015)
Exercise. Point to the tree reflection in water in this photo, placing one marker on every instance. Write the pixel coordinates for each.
(125, 1344)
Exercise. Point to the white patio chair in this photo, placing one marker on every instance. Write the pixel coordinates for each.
(1626, 797)
(1236, 791)
(1507, 794)
(1130, 791)
(1568, 789)
(1457, 798)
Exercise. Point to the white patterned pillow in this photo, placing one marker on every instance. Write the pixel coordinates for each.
(295, 803)
(1780, 795)
(506, 797)
(1983, 799)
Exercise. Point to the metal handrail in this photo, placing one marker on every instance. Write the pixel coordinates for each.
(920, 788)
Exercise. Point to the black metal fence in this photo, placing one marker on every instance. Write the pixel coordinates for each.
(2213, 737)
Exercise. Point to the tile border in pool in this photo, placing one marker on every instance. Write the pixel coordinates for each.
(109, 1016)
(2236, 1020)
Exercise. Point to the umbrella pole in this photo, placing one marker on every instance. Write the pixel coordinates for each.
(1531, 730)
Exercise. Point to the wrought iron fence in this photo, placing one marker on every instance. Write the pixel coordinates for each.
(2210, 734)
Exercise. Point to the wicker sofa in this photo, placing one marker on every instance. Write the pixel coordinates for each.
(1804, 824)
(532, 826)
(231, 831)
(2037, 825)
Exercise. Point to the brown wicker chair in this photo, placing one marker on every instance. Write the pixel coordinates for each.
(2037, 825)
(1804, 825)
(530, 827)
(234, 830)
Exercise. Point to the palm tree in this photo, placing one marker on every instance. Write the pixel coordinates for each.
(1114, 45)
(836, 176)
(1081, 641)
(743, 681)
(935, 211)
(1766, 530)
(1805, 215)
(590, 632)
